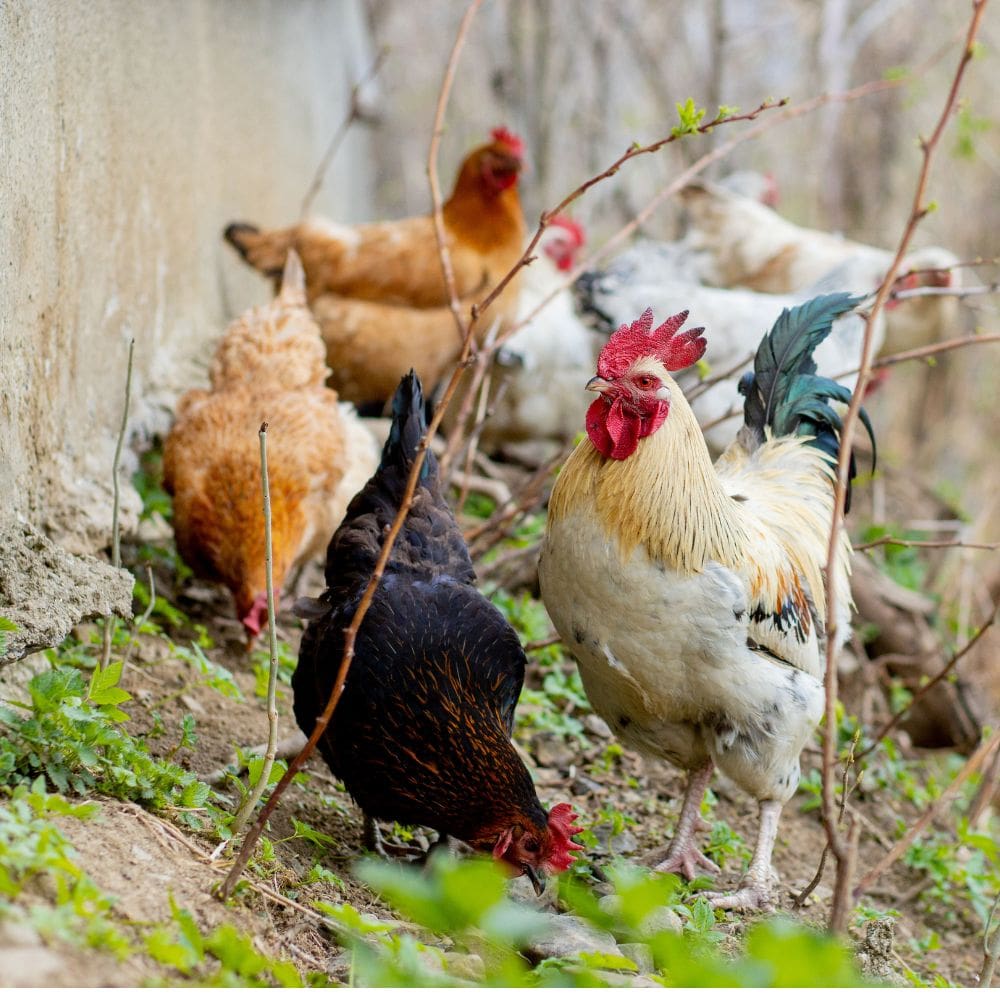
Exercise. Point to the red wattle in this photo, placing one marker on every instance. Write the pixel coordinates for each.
(615, 430)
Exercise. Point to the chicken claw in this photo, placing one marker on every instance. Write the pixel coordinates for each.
(753, 897)
(686, 861)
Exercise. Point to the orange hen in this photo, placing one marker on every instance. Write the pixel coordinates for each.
(377, 289)
(268, 367)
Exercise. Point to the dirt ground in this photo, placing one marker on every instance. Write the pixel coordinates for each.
(144, 861)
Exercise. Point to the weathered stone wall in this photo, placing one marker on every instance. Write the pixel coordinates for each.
(131, 132)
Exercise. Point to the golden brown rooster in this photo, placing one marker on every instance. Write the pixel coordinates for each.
(377, 288)
(268, 367)
(692, 596)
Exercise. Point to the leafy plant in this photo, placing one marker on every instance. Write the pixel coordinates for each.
(70, 736)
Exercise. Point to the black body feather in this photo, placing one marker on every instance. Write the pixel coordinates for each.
(421, 734)
(784, 392)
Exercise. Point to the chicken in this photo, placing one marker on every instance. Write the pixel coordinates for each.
(692, 596)
(544, 362)
(268, 367)
(377, 289)
(422, 732)
(659, 275)
(738, 241)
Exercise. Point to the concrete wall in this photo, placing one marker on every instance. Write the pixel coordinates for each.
(131, 132)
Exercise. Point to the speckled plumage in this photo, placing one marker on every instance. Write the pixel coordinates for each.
(692, 596)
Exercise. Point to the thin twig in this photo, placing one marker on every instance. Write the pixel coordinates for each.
(915, 829)
(406, 502)
(929, 350)
(838, 913)
(354, 113)
(254, 796)
(846, 789)
(991, 947)
(924, 689)
(932, 291)
(940, 543)
(706, 384)
(116, 551)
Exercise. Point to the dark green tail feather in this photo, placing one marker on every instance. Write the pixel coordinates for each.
(785, 393)
(408, 427)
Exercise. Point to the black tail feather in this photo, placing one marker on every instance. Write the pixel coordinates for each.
(408, 427)
(784, 392)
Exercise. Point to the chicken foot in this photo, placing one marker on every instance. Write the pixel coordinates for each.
(681, 855)
(754, 892)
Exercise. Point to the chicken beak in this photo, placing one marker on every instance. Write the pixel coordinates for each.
(537, 881)
(598, 384)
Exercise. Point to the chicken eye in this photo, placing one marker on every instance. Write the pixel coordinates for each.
(530, 844)
(645, 381)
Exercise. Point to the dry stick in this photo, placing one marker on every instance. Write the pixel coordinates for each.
(406, 502)
(116, 551)
(354, 113)
(846, 790)
(706, 384)
(839, 910)
(910, 543)
(914, 831)
(250, 803)
(922, 691)
(930, 291)
(991, 948)
(941, 347)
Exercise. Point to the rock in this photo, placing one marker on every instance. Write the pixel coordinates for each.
(875, 954)
(596, 726)
(552, 751)
(641, 954)
(568, 936)
(465, 965)
(46, 591)
(549, 776)
(616, 843)
(521, 891)
(660, 919)
(20, 967)
(583, 785)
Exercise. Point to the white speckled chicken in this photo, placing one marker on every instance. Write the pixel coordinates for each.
(692, 595)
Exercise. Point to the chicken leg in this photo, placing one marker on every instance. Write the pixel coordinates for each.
(754, 892)
(682, 856)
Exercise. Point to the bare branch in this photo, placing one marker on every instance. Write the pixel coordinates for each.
(910, 543)
(253, 796)
(838, 915)
(354, 113)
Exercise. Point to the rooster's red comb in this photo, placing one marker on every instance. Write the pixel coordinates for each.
(639, 340)
(571, 226)
(509, 139)
(561, 827)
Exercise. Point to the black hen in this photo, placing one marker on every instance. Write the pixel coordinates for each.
(421, 734)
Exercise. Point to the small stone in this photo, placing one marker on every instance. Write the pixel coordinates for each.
(583, 785)
(521, 891)
(658, 920)
(192, 704)
(548, 776)
(624, 843)
(552, 751)
(568, 936)
(596, 726)
(641, 954)
(465, 965)
(339, 967)
(875, 954)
